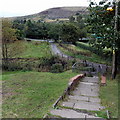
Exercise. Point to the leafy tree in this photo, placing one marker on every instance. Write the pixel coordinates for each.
(101, 22)
(79, 19)
(19, 25)
(8, 35)
(82, 33)
(72, 19)
(69, 33)
(54, 31)
(36, 30)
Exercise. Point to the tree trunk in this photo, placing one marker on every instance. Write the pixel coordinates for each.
(114, 60)
(114, 65)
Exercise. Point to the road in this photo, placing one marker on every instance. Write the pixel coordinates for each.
(41, 40)
(56, 51)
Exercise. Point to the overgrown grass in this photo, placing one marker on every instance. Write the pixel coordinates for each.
(31, 49)
(31, 94)
(83, 53)
(109, 96)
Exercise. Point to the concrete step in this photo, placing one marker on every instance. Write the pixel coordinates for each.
(68, 113)
(84, 98)
(83, 105)
(91, 79)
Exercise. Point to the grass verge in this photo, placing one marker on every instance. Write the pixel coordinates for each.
(31, 94)
(83, 53)
(109, 96)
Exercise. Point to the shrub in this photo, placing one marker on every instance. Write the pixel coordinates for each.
(57, 68)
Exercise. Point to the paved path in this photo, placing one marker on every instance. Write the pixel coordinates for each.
(84, 97)
(56, 51)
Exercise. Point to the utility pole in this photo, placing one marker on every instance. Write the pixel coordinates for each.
(114, 59)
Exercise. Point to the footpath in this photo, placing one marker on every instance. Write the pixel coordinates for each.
(83, 100)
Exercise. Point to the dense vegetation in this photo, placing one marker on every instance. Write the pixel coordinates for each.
(66, 31)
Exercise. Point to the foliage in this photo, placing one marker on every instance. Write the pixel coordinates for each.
(69, 33)
(43, 30)
(101, 25)
(104, 25)
(54, 31)
(79, 21)
(71, 19)
(20, 26)
(57, 68)
(8, 35)
(38, 30)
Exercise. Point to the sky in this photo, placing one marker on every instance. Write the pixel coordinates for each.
(10, 8)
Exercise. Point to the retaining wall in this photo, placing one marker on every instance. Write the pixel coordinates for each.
(73, 82)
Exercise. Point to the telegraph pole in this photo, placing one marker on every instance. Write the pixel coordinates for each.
(114, 59)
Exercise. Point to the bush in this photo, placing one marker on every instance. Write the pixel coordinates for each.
(57, 68)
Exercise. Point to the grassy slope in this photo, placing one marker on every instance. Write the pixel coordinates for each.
(29, 49)
(109, 96)
(31, 94)
(88, 55)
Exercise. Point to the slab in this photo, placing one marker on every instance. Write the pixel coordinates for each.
(68, 104)
(83, 102)
(90, 107)
(91, 99)
(75, 97)
(86, 89)
(68, 113)
(92, 94)
(91, 79)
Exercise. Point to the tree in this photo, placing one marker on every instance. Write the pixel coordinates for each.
(19, 25)
(69, 33)
(102, 24)
(82, 33)
(79, 19)
(72, 19)
(54, 31)
(8, 35)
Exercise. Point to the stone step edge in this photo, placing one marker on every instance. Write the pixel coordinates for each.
(78, 111)
(71, 86)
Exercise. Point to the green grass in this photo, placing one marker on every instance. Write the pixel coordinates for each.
(84, 53)
(31, 94)
(31, 49)
(109, 96)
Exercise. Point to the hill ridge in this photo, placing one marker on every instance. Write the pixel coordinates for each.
(55, 13)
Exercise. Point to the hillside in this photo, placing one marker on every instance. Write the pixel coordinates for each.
(55, 13)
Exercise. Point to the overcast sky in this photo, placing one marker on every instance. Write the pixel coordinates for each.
(9, 8)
